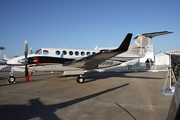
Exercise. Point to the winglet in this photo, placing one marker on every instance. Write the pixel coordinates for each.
(125, 44)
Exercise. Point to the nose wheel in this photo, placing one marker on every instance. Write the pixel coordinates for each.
(12, 79)
(80, 79)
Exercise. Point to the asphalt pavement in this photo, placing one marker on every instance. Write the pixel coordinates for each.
(103, 96)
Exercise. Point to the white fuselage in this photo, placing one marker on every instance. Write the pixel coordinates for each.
(58, 59)
(68, 54)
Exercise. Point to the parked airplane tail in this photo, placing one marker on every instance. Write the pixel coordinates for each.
(5, 57)
(142, 42)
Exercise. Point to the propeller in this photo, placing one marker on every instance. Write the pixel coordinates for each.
(31, 51)
(26, 61)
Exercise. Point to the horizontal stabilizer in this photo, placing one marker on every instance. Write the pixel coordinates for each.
(150, 35)
(140, 46)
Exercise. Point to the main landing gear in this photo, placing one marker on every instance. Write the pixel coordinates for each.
(11, 78)
(80, 79)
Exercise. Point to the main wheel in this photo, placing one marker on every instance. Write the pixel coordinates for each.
(80, 79)
(12, 79)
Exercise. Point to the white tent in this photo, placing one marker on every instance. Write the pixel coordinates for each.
(162, 59)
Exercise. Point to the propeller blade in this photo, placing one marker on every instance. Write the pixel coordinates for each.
(31, 51)
(27, 78)
(32, 72)
(26, 74)
(25, 49)
(26, 68)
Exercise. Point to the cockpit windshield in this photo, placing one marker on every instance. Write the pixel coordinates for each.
(38, 51)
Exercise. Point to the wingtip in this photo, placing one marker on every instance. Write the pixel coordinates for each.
(170, 31)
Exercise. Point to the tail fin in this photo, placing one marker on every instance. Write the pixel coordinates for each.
(5, 58)
(142, 42)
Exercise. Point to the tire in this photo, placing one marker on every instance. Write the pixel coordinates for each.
(11, 79)
(80, 79)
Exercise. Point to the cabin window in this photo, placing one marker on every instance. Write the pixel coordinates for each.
(82, 53)
(76, 53)
(70, 53)
(57, 52)
(45, 52)
(94, 53)
(64, 52)
(88, 53)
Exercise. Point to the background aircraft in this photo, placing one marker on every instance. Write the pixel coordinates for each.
(76, 61)
(1, 48)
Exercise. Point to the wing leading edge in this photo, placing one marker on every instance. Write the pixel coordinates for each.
(92, 62)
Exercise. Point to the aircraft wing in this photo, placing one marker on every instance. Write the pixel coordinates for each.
(92, 62)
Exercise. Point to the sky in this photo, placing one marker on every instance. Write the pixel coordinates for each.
(85, 24)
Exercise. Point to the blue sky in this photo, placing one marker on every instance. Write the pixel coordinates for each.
(85, 23)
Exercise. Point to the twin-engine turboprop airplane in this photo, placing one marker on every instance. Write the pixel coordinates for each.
(76, 61)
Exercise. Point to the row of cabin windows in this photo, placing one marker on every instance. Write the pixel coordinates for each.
(45, 52)
(71, 53)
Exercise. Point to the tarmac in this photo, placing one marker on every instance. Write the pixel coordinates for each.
(103, 96)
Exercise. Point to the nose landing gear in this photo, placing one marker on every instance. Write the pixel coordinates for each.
(11, 78)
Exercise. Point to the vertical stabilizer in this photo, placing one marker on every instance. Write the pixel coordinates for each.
(142, 42)
(5, 58)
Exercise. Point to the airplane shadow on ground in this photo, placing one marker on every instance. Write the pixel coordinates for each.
(45, 112)
(90, 77)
